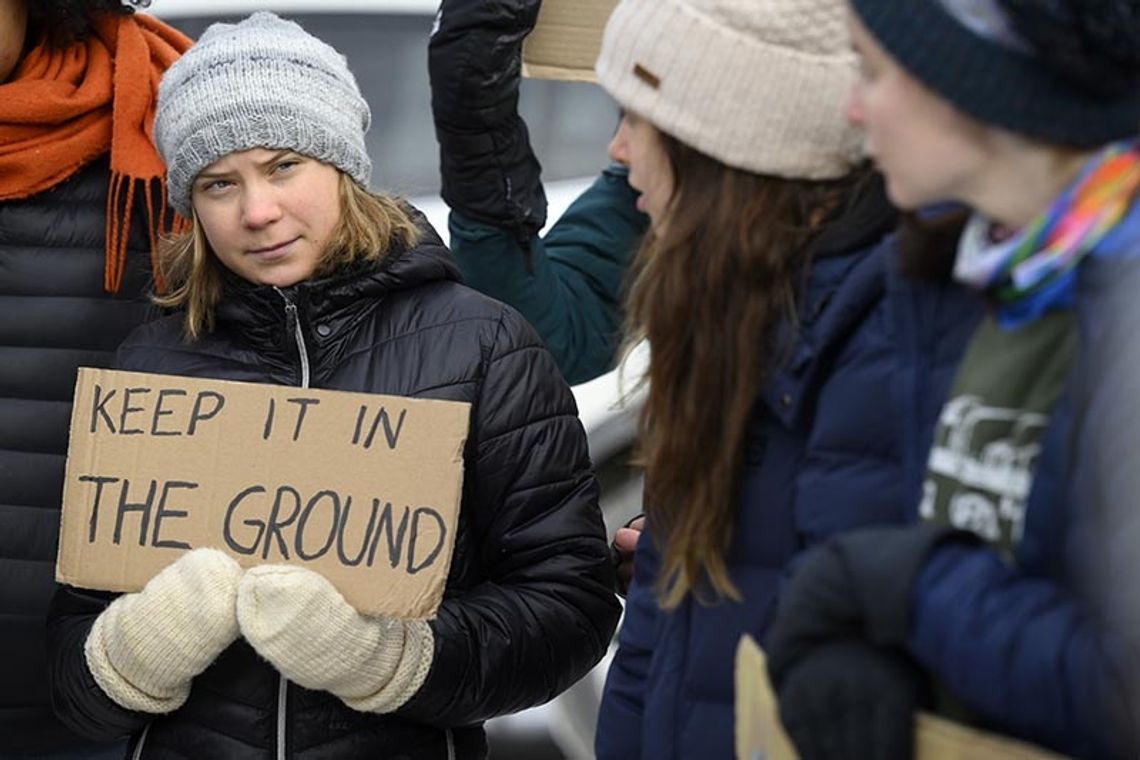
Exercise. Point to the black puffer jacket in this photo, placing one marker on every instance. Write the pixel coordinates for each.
(528, 607)
(54, 317)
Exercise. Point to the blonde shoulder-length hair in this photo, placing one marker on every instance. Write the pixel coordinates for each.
(190, 275)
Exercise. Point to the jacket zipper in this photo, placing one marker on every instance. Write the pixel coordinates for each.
(282, 696)
(291, 315)
(137, 755)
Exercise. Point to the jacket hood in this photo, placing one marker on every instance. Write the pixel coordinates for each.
(860, 224)
(846, 281)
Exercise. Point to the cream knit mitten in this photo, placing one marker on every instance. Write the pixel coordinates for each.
(299, 622)
(146, 647)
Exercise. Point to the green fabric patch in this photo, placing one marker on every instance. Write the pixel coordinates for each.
(989, 435)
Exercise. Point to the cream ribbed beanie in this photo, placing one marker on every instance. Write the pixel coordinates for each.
(756, 84)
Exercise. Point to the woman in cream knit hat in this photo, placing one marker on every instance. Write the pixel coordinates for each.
(296, 274)
(770, 423)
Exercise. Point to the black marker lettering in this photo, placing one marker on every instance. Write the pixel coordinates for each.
(227, 530)
(98, 409)
(129, 410)
(197, 415)
(99, 483)
(340, 553)
(163, 513)
(142, 506)
(304, 403)
(160, 412)
(299, 541)
(413, 568)
(273, 525)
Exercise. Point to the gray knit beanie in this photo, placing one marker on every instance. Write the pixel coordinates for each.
(756, 84)
(262, 83)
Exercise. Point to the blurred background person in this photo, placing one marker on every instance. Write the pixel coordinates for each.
(81, 204)
(1016, 589)
(568, 281)
(771, 420)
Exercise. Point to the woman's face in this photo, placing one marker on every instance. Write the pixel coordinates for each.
(13, 29)
(927, 150)
(268, 214)
(638, 145)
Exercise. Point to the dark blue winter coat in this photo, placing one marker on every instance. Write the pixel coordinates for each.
(1046, 647)
(826, 452)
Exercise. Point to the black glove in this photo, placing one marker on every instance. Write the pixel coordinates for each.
(855, 586)
(850, 600)
(489, 172)
(850, 700)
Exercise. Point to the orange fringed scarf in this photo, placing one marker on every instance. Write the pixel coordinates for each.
(63, 108)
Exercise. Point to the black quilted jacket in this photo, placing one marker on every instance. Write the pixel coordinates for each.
(54, 317)
(528, 607)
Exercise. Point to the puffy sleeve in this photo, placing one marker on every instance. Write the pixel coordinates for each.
(76, 697)
(546, 609)
(1024, 653)
(569, 286)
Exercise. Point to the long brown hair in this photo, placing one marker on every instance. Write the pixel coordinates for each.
(709, 292)
(370, 226)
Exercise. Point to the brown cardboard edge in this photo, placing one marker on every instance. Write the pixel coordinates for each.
(935, 736)
(62, 577)
(558, 73)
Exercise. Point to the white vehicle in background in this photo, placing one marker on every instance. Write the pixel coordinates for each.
(385, 42)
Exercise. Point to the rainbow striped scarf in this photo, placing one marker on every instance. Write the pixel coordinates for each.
(1035, 269)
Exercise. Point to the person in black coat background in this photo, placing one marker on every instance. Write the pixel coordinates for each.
(295, 274)
(77, 88)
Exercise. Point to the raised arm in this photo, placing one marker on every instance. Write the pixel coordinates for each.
(547, 610)
(571, 287)
(567, 283)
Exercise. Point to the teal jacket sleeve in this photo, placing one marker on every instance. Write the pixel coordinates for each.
(570, 286)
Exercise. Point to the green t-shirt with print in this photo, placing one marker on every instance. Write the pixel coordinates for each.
(989, 435)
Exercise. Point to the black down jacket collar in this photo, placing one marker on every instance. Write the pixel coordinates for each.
(326, 309)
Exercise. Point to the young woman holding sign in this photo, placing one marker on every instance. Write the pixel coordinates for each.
(295, 274)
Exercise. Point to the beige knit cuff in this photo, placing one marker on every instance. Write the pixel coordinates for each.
(411, 672)
(121, 691)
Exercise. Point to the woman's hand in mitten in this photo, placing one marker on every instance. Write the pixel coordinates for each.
(146, 647)
(301, 624)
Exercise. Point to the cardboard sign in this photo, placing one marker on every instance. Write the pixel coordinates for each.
(566, 39)
(361, 488)
(759, 735)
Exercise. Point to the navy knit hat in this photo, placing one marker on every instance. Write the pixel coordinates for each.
(975, 55)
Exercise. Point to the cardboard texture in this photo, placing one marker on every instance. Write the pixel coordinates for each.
(566, 40)
(362, 488)
(759, 735)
